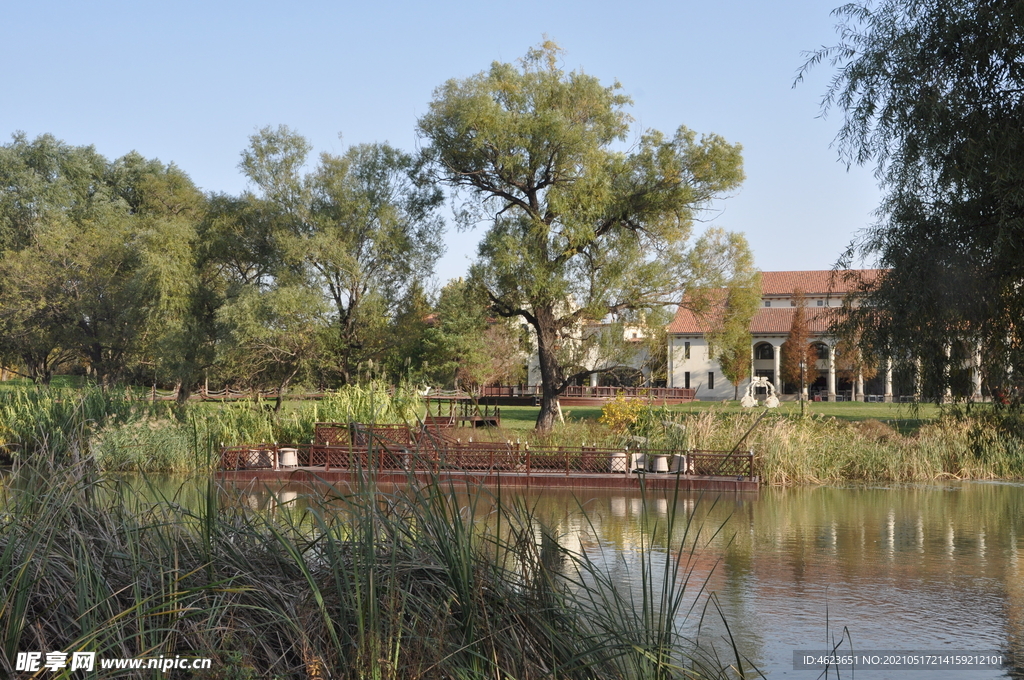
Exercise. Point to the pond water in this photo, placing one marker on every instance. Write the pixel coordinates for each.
(922, 568)
(913, 568)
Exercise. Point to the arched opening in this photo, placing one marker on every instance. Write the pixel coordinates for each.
(764, 362)
(817, 385)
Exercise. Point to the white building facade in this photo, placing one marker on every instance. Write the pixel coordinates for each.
(690, 363)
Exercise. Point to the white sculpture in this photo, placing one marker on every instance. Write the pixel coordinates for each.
(750, 400)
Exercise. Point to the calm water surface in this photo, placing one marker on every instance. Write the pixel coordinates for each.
(931, 567)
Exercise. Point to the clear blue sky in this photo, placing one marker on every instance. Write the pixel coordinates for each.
(188, 82)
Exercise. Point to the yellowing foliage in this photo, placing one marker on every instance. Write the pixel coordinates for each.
(621, 413)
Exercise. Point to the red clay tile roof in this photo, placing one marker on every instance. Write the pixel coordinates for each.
(766, 321)
(817, 282)
(777, 320)
(686, 321)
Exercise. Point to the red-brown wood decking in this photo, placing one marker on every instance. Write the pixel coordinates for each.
(397, 453)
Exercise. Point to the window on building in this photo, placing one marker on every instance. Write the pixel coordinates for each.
(792, 303)
(686, 380)
(711, 380)
(686, 351)
(822, 350)
(767, 303)
(821, 303)
(764, 351)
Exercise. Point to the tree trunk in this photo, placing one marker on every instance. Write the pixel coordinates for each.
(184, 392)
(551, 380)
(281, 389)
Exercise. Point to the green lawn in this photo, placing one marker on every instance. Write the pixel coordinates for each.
(905, 417)
(58, 381)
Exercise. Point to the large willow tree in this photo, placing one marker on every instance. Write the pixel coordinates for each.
(96, 258)
(357, 231)
(583, 223)
(933, 96)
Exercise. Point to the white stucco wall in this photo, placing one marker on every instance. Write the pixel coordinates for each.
(699, 365)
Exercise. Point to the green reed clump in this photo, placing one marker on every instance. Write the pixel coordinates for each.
(59, 422)
(181, 438)
(356, 584)
(372, 402)
(254, 422)
(825, 450)
(176, 444)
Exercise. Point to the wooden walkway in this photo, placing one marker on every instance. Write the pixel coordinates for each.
(398, 453)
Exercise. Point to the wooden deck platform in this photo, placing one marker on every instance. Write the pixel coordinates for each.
(396, 454)
(507, 478)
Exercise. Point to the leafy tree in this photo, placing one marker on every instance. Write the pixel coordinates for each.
(405, 353)
(464, 348)
(98, 259)
(653, 358)
(730, 339)
(797, 349)
(933, 95)
(851, 360)
(579, 228)
(44, 187)
(274, 336)
(358, 229)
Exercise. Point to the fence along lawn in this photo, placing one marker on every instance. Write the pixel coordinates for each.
(906, 418)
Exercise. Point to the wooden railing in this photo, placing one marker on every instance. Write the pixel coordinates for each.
(600, 392)
(401, 448)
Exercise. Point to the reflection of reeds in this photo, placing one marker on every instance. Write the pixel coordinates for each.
(361, 584)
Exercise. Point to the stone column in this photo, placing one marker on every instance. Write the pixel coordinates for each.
(918, 381)
(832, 373)
(777, 353)
(860, 387)
(976, 374)
(594, 379)
(753, 358)
(888, 381)
(947, 395)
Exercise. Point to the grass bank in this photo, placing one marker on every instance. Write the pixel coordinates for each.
(359, 584)
(836, 443)
(906, 418)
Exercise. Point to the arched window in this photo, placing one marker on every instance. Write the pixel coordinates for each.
(764, 351)
(822, 350)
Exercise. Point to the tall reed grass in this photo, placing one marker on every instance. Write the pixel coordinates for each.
(824, 450)
(122, 432)
(358, 584)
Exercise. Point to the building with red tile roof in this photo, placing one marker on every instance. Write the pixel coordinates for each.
(690, 363)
